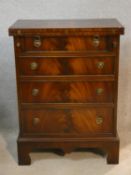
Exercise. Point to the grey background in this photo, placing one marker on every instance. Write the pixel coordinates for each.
(11, 10)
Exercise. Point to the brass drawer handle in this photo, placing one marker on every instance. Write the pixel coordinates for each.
(99, 91)
(34, 66)
(37, 42)
(99, 120)
(96, 41)
(35, 92)
(100, 65)
(36, 120)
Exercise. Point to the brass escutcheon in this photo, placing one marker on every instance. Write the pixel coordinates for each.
(19, 32)
(35, 92)
(34, 66)
(99, 91)
(18, 44)
(100, 65)
(99, 120)
(36, 120)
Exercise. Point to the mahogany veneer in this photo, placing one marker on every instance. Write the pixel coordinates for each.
(67, 80)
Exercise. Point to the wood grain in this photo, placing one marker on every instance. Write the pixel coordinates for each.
(59, 104)
(73, 122)
(58, 92)
(67, 43)
(66, 66)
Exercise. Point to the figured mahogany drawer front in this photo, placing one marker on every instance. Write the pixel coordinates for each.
(72, 121)
(87, 43)
(60, 92)
(66, 66)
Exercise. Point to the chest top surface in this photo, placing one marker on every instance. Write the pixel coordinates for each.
(68, 26)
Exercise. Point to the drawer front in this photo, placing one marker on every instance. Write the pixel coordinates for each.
(60, 92)
(85, 121)
(66, 66)
(91, 43)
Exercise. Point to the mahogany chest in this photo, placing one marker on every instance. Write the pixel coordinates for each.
(67, 83)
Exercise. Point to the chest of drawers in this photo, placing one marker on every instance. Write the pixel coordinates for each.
(67, 81)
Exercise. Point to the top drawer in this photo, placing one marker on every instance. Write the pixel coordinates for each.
(68, 43)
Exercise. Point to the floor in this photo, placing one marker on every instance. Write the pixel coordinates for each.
(76, 163)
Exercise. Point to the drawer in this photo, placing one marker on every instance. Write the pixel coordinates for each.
(61, 92)
(85, 121)
(65, 66)
(86, 43)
